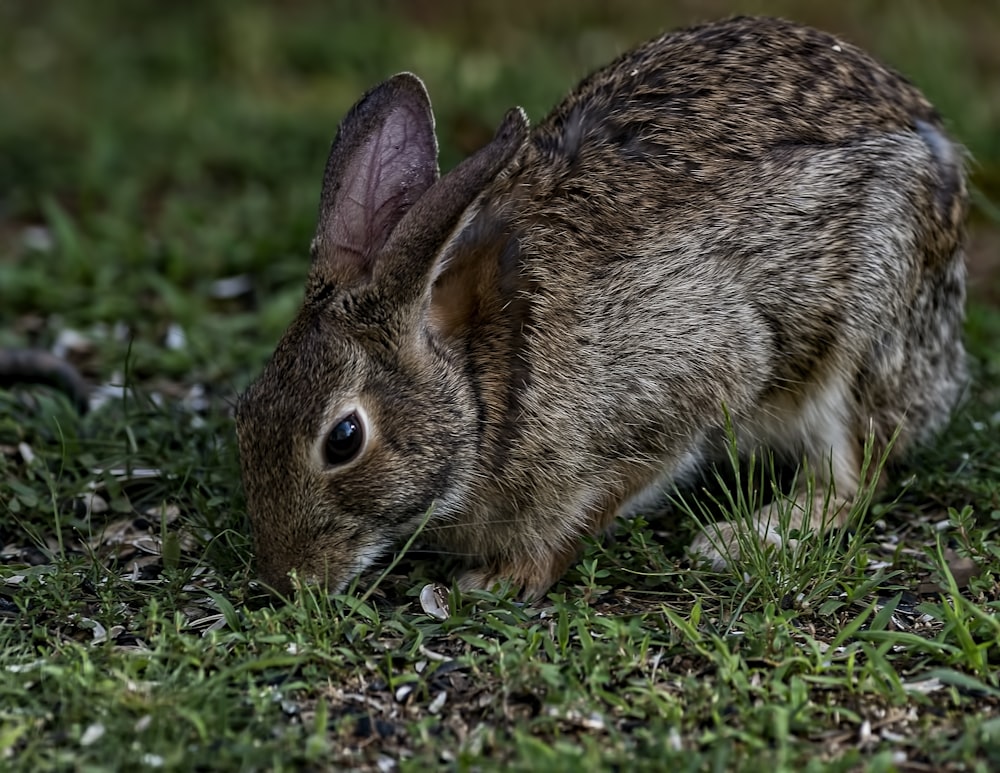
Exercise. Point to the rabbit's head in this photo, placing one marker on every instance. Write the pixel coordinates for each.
(360, 422)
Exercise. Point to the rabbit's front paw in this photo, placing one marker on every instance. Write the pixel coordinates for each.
(531, 576)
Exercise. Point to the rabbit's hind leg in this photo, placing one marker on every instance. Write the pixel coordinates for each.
(821, 433)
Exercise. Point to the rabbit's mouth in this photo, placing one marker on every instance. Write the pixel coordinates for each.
(319, 569)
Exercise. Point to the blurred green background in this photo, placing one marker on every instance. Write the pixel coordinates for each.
(148, 149)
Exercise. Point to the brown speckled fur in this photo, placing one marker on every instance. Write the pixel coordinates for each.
(749, 214)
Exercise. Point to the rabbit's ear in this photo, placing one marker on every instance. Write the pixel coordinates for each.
(382, 161)
(411, 259)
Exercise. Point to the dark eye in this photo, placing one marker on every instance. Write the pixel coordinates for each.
(344, 440)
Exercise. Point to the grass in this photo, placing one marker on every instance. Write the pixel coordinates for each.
(159, 178)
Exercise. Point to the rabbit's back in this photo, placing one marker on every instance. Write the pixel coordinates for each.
(730, 91)
(752, 214)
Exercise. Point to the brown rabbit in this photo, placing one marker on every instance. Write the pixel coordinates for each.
(749, 215)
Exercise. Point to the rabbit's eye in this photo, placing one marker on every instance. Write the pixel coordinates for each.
(344, 440)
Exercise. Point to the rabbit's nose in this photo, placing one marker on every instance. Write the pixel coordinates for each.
(286, 578)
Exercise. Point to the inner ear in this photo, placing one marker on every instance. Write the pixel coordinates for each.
(383, 160)
(475, 277)
(457, 295)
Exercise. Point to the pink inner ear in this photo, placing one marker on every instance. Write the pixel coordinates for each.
(391, 169)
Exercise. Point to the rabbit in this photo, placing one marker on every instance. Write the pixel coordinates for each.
(747, 218)
(36, 366)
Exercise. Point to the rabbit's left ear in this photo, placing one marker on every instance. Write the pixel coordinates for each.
(383, 160)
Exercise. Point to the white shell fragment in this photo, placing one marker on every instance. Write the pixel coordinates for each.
(94, 504)
(437, 704)
(434, 601)
(26, 453)
(403, 692)
(92, 734)
(231, 287)
(176, 338)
